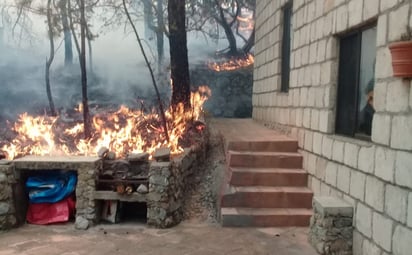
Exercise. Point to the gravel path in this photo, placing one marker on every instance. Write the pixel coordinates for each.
(201, 203)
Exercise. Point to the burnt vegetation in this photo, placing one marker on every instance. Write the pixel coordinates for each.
(73, 27)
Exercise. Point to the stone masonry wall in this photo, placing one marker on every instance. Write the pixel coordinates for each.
(231, 91)
(7, 210)
(168, 183)
(331, 231)
(12, 213)
(375, 177)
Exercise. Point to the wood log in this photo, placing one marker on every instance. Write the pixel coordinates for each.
(129, 189)
(120, 189)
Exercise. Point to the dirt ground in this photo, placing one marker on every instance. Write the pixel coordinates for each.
(187, 238)
(198, 234)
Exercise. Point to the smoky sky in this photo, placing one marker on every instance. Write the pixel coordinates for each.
(119, 75)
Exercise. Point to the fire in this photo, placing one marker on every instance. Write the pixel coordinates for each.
(123, 131)
(233, 64)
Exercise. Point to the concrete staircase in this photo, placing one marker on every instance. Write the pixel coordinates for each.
(265, 186)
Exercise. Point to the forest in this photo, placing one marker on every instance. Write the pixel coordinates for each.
(69, 57)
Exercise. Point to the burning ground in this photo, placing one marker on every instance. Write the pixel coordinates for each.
(123, 130)
(232, 64)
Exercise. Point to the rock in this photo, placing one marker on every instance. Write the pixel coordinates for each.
(3, 177)
(81, 223)
(111, 155)
(4, 208)
(138, 157)
(5, 191)
(108, 174)
(162, 155)
(102, 153)
(120, 166)
(159, 180)
(4, 162)
(142, 189)
(11, 220)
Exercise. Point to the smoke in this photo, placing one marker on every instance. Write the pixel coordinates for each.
(119, 74)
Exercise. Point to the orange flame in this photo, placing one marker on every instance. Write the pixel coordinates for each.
(233, 64)
(123, 131)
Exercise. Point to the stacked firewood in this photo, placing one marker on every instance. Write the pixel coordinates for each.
(124, 176)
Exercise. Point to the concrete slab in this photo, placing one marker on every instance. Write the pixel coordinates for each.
(248, 135)
(64, 159)
(54, 162)
(187, 238)
(246, 130)
(328, 205)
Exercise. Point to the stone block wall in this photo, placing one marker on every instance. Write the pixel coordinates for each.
(376, 176)
(87, 211)
(231, 91)
(168, 183)
(168, 186)
(7, 210)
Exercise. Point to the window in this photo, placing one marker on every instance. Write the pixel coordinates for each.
(355, 109)
(286, 42)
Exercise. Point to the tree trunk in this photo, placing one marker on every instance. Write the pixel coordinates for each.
(76, 42)
(228, 31)
(159, 34)
(50, 60)
(178, 53)
(68, 46)
(159, 100)
(83, 26)
(231, 39)
(89, 43)
(250, 42)
(148, 17)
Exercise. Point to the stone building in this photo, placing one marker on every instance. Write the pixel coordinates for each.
(323, 74)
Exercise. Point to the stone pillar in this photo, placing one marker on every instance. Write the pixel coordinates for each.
(7, 209)
(331, 230)
(86, 205)
(160, 205)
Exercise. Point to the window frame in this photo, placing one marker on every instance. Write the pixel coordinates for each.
(287, 11)
(340, 100)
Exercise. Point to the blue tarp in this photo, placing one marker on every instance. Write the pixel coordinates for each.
(51, 188)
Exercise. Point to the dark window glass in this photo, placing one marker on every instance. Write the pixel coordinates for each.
(356, 83)
(286, 42)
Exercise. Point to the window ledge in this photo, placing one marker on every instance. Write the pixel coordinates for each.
(353, 140)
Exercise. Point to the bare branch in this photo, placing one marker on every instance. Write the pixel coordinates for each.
(161, 109)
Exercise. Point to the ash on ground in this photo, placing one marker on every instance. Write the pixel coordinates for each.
(201, 202)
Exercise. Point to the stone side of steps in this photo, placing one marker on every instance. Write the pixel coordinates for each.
(266, 186)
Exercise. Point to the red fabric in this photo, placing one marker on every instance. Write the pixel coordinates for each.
(45, 213)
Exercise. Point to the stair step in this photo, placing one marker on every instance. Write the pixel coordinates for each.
(265, 217)
(265, 159)
(268, 177)
(282, 145)
(268, 197)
